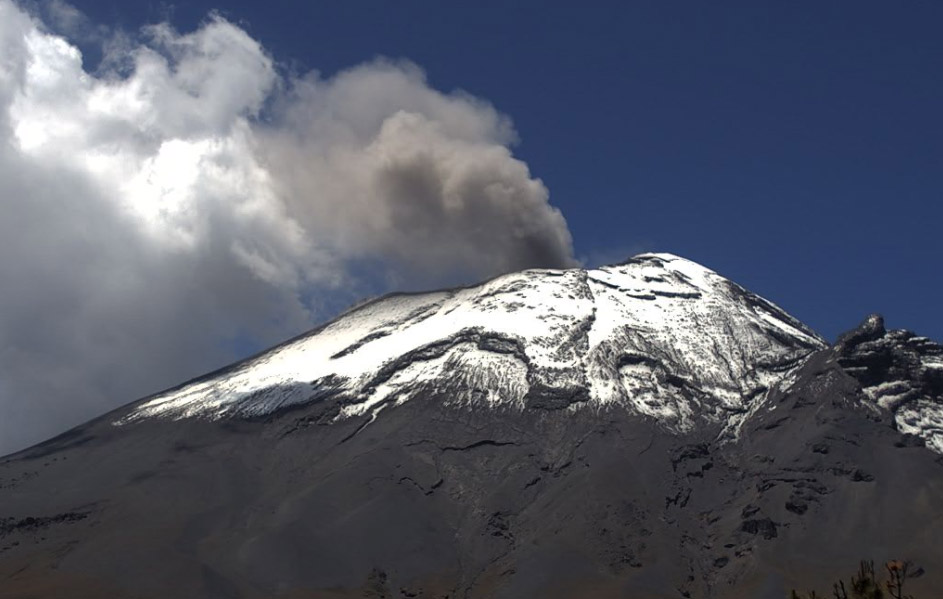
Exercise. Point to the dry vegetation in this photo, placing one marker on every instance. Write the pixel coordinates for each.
(866, 585)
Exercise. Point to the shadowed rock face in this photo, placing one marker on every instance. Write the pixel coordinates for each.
(901, 373)
(556, 496)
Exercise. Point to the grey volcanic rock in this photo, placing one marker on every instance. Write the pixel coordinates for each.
(901, 373)
(649, 430)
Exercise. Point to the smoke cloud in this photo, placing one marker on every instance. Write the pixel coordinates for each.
(187, 202)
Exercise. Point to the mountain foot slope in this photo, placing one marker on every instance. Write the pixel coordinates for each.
(436, 501)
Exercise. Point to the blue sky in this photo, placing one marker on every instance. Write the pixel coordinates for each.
(795, 147)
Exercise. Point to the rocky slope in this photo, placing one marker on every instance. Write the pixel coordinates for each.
(900, 373)
(646, 430)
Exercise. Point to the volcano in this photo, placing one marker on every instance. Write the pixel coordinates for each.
(647, 430)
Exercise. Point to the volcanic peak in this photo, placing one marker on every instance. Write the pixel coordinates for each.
(657, 334)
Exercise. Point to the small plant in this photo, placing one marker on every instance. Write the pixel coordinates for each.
(865, 584)
(897, 570)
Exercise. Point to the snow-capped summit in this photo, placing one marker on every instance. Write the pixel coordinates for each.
(658, 334)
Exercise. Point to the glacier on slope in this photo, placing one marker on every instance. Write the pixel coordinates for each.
(658, 334)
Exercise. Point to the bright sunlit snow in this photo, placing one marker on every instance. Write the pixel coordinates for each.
(659, 335)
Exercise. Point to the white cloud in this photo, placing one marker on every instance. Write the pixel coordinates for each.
(151, 220)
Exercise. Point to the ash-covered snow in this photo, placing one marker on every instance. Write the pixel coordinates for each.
(658, 335)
